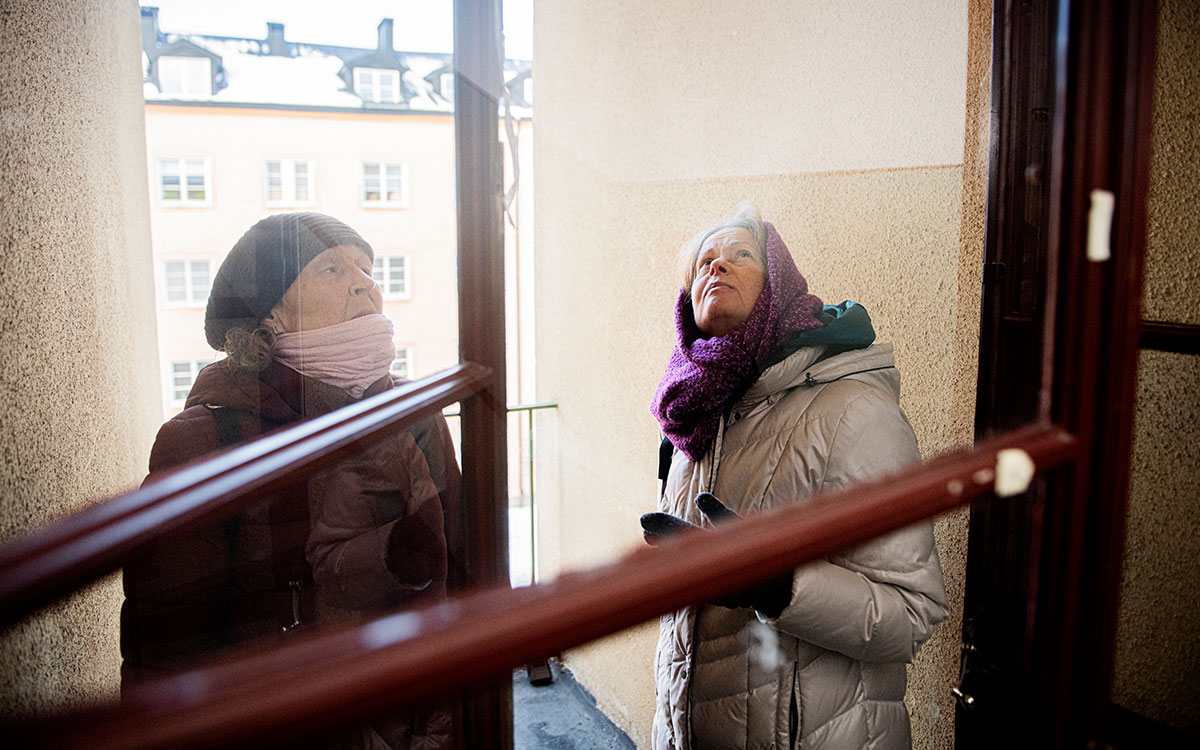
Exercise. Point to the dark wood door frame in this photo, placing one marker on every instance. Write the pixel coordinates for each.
(1043, 569)
(479, 79)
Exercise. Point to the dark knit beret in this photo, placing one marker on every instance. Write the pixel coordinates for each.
(264, 263)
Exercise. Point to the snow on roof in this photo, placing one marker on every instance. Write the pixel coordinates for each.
(310, 76)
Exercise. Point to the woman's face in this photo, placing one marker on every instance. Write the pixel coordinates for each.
(335, 286)
(729, 277)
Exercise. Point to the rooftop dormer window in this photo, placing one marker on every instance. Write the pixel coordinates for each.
(189, 76)
(377, 85)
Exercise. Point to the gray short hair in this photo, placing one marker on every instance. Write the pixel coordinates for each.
(746, 218)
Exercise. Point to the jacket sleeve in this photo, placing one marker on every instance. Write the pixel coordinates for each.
(878, 601)
(356, 505)
(433, 439)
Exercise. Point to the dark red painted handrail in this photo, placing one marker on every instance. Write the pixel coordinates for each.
(354, 672)
(47, 564)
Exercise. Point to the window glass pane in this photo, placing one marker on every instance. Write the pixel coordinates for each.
(200, 280)
(176, 281)
(301, 181)
(395, 183)
(170, 75)
(371, 190)
(283, 133)
(396, 276)
(274, 181)
(199, 75)
(168, 170)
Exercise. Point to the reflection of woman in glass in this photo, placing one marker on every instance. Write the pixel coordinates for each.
(769, 398)
(296, 309)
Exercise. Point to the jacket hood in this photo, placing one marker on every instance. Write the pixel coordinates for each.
(843, 327)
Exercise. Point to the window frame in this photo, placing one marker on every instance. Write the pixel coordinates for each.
(190, 299)
(180, 62)
(287, 175)
(385, 263)
(383, 201)
(375, 86)
(194, 365)
(407, 350)
(183, 201)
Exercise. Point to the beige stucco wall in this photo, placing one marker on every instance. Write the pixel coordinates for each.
(78, 385)
(1172, 289)
(1158, 638)
(848, 126)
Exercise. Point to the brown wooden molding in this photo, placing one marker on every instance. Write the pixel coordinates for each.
(1177, 338)
(341, 675)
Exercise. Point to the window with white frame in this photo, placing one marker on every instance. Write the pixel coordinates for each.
(289, 182)
(182, 376)
(190, 76)
(448, 86)
(391, 273)
(377, 84)
(402, 364)
(385, 184)
(186, 282)
(184, 182)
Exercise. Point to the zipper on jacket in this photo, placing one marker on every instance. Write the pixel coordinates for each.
(794, 711)
(809, 381)
(718, 443)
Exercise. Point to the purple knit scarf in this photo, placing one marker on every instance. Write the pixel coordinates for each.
(705, 375)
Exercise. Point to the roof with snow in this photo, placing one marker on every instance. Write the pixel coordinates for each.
(275, 73)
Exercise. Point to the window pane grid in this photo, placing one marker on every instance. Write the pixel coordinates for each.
(384, 184)
(287, 182)
(183, 376)
(391, 274)
(186, 282)
(183, 181)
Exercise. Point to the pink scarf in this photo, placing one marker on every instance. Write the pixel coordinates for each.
(350, 355)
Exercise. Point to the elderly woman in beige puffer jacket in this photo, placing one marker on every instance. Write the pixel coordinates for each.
(769, 398)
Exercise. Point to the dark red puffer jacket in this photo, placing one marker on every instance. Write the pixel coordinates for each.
(376, 531)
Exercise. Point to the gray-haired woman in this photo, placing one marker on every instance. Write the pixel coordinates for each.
(769, 398)
(295, 307)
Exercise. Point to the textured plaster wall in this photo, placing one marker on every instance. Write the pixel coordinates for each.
(78, 391)
(772, 111)
(1158, 634)
(1172, 288)
(1158, 638)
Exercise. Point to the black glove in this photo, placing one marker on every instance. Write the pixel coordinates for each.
(416, 553)
(769, 597)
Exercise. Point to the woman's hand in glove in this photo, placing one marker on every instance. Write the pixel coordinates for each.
(769, 597)
(417, 547)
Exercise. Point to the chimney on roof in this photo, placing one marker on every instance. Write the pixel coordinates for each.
(276, 44)
(150, 30)
(385, 35)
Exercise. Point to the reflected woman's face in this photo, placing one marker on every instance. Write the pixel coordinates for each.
(729, 277)
(335, 286)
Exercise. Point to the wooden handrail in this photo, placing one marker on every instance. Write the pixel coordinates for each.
(358, 671)
(41, 567)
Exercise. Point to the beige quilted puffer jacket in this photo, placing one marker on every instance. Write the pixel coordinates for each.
(829, 673)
